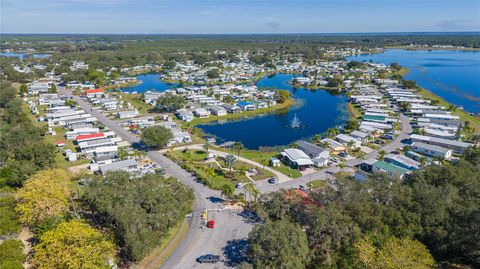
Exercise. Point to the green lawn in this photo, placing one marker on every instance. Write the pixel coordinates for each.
(60, 159)
(192, 161)
(354, 111)
(258, 156)
(317, 184)
(137, 102)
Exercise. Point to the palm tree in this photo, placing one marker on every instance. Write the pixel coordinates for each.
(317, 138)
(228, 190)
(324, 144)
(264, 162)
(350, 144)
(209, 173)
(206, 146)
(381, 155)
(229, 161)
(252, 190)
(238, 146)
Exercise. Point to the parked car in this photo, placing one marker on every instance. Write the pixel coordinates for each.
(301, 187)
(378, 141)
(343, 154)
(272, 180)
(208, 258)
(387, 136)
(239, 185)
(211, 224)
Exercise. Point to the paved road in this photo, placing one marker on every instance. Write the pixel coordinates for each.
(230, 225)
(231, 229)
(281, 177)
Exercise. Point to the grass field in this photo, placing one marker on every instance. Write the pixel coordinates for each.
(168, 245)
(354, 111)
(259, 156)
(137, 102)
(192, 161)
(60, 160)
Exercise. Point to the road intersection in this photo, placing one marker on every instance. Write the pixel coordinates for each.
(231, 227)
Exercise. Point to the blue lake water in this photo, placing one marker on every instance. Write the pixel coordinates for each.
(150, 82)
(451, 74)
(23, 55)
(319, 111)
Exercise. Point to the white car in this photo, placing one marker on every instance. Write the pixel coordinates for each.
(239, 185)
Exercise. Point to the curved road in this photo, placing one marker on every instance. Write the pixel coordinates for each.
(229, 224)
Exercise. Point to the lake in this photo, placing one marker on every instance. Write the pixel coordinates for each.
(453, 75)
(150, 82)
(318, 111)
(23, 55)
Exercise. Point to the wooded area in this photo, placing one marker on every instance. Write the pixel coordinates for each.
(436, 213)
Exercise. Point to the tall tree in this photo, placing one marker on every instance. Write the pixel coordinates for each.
(73, 245)
(279, 244)
(169, 102)
(156, 136)
(44, 195)
(395, 253)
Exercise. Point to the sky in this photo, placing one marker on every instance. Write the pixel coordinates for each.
(237, 16)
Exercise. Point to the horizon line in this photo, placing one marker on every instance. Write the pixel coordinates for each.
(286, 33)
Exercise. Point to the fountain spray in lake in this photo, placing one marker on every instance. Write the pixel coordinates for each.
(295, 123)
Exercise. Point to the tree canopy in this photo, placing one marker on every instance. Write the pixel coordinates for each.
(141, 210)
(156, 136)
(44, 195)
(23, 150)
(11, 254)
(169, 102)
(433, 213)
(282, 96)
(73, 245)
(394, 253)
(279, 244)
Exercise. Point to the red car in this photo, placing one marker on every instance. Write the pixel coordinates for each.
(211, 224)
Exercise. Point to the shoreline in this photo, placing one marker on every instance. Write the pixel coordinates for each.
(247, 114)
(430, 48)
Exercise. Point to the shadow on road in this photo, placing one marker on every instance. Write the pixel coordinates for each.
(235, 252)
(250, 216)
(215, 200)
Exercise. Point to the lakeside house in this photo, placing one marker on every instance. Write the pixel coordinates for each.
(217, 110)
(296, 159)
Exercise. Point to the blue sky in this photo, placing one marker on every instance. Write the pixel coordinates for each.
(237, 16)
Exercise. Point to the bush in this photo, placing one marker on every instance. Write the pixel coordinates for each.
(9, 220)
(11, 254)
